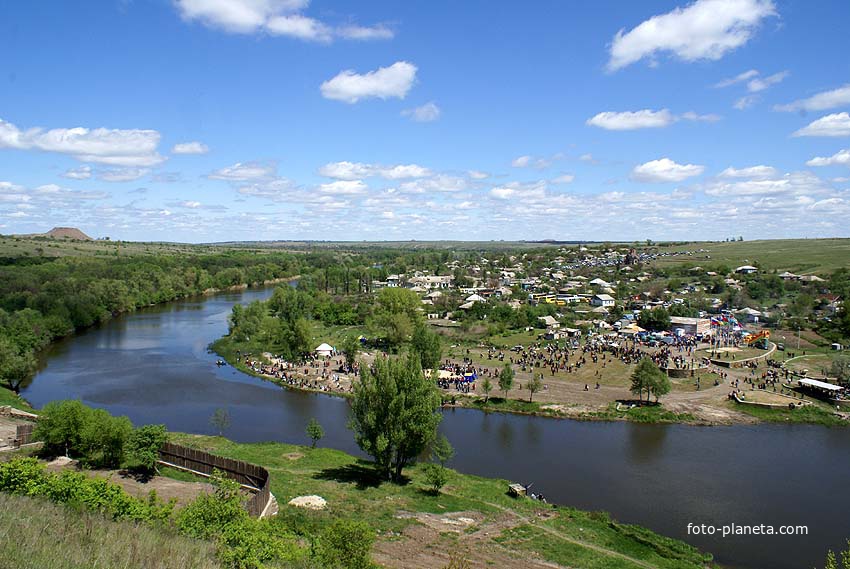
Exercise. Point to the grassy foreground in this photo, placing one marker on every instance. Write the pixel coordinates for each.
(8, 397)
(37, 534)
(514, 527)
(811, 414)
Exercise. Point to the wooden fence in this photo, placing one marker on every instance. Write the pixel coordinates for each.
(23, 434)
(255, 478)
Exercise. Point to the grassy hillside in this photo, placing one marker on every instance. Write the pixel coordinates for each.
(501, 531)
(800, 256)
(36, 534)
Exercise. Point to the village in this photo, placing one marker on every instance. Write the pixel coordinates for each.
(572, 323)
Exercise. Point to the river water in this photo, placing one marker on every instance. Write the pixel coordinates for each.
(154, 367)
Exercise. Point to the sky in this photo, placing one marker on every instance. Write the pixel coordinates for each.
(220, 120)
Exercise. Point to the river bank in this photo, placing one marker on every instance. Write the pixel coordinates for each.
(472, 518)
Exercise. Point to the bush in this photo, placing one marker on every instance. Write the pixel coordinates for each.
(436, 476)
(346, 544)
(92, 435)
(143, 448)
(210, 514)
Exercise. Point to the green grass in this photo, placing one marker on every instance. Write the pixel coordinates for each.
(8, 397)
(37, 534)
(815, 414)
(500, 404)
(576, 539)
(648, 414)
(802, 256)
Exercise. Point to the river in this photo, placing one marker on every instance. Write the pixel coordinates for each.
(154, 367)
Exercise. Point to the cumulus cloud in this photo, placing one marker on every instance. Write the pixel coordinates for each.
(190, 148)
(790, 185)
(344, 187)
(665, 170)
(357, 170)
(243, 172)
(837, 124)
(119, 147)
(273, 17)
(750, 172)
(819, 102)
(705, 29)
(646, 118)
(426, 113)
(840, 158)
(383, 83)
(83, 172)
(121, 174)
(564, 179)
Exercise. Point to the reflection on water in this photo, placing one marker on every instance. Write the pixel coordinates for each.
(153, 366)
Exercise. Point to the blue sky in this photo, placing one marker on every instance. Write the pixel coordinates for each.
(210, 120)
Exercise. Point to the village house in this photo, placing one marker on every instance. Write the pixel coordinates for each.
(603, 300)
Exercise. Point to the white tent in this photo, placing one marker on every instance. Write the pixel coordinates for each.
(324, 350)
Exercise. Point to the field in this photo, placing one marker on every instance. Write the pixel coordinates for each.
(472, 519)
(36, 534)
(12, 246)
(800, 256)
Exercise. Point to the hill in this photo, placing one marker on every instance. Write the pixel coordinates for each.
(67, 233)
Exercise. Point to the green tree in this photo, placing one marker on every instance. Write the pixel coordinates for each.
(654, 319)
(103, 438)
(60, 426)
(15, 365)
(143, 447)
(647, 377)
(396, 313)
(506, 379)
(315, 431)
(436, 476)
(487, 387)
(833, 563)
(442, 450)
(427, 345)
(840, 369)
(350, 346)
(394, 413)
(220, 420)
(535, 385)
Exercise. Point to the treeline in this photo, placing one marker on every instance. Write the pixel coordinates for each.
(44, 300)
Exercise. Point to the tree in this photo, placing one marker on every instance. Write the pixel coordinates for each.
(395, 413)
(396, 314)
(442, 450)
(534, 386)
(487, 387)
(647, 377)
(427, 345)
(103, 438)
(315, 431)
(60, 426)
(15, 365)
(436, 473)
(655, 319)
(220, 420)
(143, 447)
(840, 368)
(506, 379)
(832, 561)
(350, 345)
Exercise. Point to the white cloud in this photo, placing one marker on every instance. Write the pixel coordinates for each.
(243, 172)
(478, 175)
(426, 113)
(738, 78)
(837, 124)
(760, 84)
(746, 102)
(190, 148)
(705, 29)
(521, 161)
(840, 158)
(564, 179)
(133, 147)
(357, 170)
(274, 17)
(820, 102)
(751, 172)
(81, 173)
(344, 187)
(121, 174)
(646, 118)
(665, 170)
(503, 193)
(791, 185)
(353, 32)
(632, 120)
(383, 83)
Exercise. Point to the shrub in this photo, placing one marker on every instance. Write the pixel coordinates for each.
(346, 544)
(143, 446)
